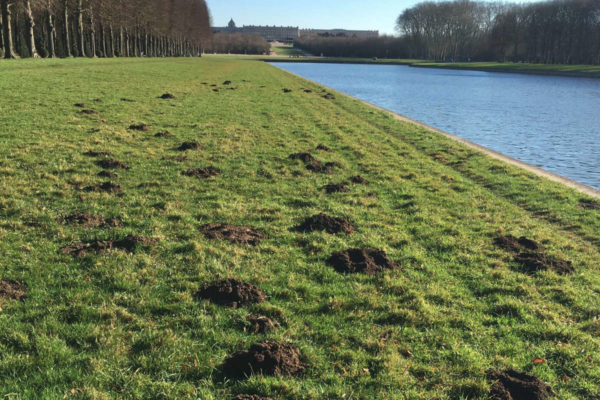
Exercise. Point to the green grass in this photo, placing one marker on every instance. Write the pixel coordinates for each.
(127, 326)
(286, 51)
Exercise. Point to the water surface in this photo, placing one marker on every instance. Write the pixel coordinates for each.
(551, 122)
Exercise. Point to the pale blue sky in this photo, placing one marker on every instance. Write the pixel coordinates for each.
(326, 14)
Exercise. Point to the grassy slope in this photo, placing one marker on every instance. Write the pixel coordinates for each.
(285, 51)
(127, 326)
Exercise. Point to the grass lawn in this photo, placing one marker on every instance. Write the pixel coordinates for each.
(128, 325)
(286, 51)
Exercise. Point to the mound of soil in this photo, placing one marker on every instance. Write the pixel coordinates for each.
(236, 234)
(287, 90)
(515, 245)
(333, 164)
(261, 324)
(164, 134)
(91, 221)
(88, 112)
(335, 188)
(10, 289)
(129, 244)
(109, 163)
(323, 147)
(267, 358)
(227, 83)
(202, 173)
(107, 174)
(189, 146)
(318, 166)
(107, 187)
(231, 292)
(515, 385)
(304, 157)
(167, 96)
(176, 159)
(589, 204)
(139, 127)
(127, 100)
(532, 262)
(323, 222)
(329, 96)
(359, 180)
(366, 261)
(307, 91)
(216, 90)
(93, 153)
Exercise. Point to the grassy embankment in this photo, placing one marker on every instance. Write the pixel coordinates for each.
(286, 51)
(120, 325)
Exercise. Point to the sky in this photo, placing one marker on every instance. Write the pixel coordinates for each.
(324, 14)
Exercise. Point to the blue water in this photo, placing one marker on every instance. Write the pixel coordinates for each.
(551, 122)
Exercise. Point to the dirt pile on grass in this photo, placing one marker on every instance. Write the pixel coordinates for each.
(589, 204)
(91, 221)
(328, 96)
(324, 222)
(532, 262)
(359, 180)
(106, 187)
(202, 173)
(267, 358)
(232, 233)
(11, 289)
(227, 83)
(366, 261)
(323, 147)
(139, 127)
(176, 159)
(79, 105)
(335, 188)
(129, 244)
(164, 134)
(109, 163)
(167, 96)
(515, 385)
(107, 174)
(304, 157)
(287, 90)
(261, 324)
(513, 244)
(189, 146)
(88, 112)
(93, 153)
(231, 292)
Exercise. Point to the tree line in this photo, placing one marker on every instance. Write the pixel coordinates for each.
(551, 32)
(237, 43)
(103, 28)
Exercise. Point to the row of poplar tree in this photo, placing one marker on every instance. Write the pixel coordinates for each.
(103, 28)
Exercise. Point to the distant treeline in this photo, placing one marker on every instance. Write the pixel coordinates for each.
(103, 28)
(237, 43)
(551, 32)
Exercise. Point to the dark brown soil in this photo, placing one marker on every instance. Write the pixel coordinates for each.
(89, 112)
(202, 173)
(359, 180)
(91, 221)
(267, 358)
(93, 153)
(366, 261)
(287, 90)
(189, 146)
(109, 163)
(261, 324)
(515, 245)
(164, 134)
(250, 397)
(176, 159)
(323, 147)
(318, 166)
(231, 292)
(129, 244)
(10, 289)
(333, 164)
(329, 96)
(216, 90)
(167, 96)
(127, 100)
(107, 187)
(532, 262)
(139, 127)
(323, 222)
(80, 105)
(335, 188)
(307, 91)
(304, 157)
(589, 204)
(107, 174)
(236, 234)
(227, 83)
(515, 385)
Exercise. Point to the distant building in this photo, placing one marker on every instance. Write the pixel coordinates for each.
(338, 33)
(289, 34)
(285, 34)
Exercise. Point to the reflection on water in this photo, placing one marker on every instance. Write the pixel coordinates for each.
(550, 122)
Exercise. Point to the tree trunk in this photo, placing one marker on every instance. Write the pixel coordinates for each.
(9, 48)
(31, 33)
(1, 37)
(112, 41)
(92, 34)
(103, 41)
(67, 43)
(121, 53)
(80, 32)
(51, 36)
